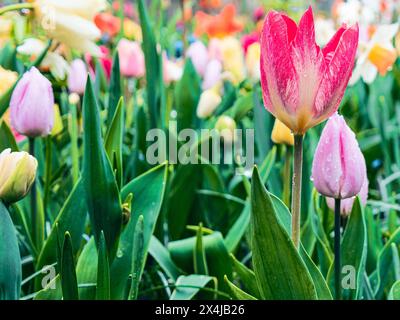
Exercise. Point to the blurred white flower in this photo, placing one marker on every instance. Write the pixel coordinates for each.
(71, 22)
(377, 55)
(353, 11)
(53, 61)
(172, 70)
(324, 30)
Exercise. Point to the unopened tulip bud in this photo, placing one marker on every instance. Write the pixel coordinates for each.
(226, 127)
(282, 134)
(31, 105)
(73, 98)
(17, 173)
(131, 59)
(77, 77)
(209, 101)
(338, 169)
(212, 74)
(346, 205)
(58, 124)
(198, 53)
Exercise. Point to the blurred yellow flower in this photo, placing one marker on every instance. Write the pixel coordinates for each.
(232, 57)
(5, 29)
(226, 127)
(253, 61)
(209, 101)
(71, 22)
(132, 30)
(376, 55)
(58, 125)
(281, 134)
(7, 79)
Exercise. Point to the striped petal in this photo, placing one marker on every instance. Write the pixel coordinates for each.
(337, 76)
(278, 77)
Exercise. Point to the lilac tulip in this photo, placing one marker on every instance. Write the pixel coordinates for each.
(198, 53)
(212, 74)
(77, 77)
(338, 169)
(31, 105)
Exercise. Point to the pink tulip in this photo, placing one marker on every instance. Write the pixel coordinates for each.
(346, 205)
(338, 169)
(77, 77)
(302, 84)
(131, 59)
(212, 74)
(198, 53)
(248, 39)
(105, 61)
(32, 105)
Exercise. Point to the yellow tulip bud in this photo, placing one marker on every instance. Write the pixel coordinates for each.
(17, 173)
(58, 125)
(226, 127)
(282, 134)
(209, 101)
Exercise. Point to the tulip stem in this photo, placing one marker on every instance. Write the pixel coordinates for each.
(33, 192)
(15, 7)
(286, 175)
(296, 188)
(338, 291)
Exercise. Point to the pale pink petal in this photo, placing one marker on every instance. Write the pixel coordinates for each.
(353, 163)
(327, 164)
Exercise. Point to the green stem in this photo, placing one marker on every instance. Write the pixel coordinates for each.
(286, 176)
(73, 127)
(33, 195)
(47, 174)
(15, 7)
(338, 291)
(296, 188)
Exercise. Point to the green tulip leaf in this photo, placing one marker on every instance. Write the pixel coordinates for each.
(102, 195)
(10, 261)
(279, 268)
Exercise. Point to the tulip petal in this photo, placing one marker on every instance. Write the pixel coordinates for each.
(327, 164)
(353, 163)
(337, 75)
(331, 46)
(291, 27)
(309, 63)
(278, 76)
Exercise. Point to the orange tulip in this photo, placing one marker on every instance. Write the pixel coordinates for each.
(220, 25)
(107, 23)
(210, 4)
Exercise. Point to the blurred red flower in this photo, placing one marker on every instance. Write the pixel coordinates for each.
(107, 23)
